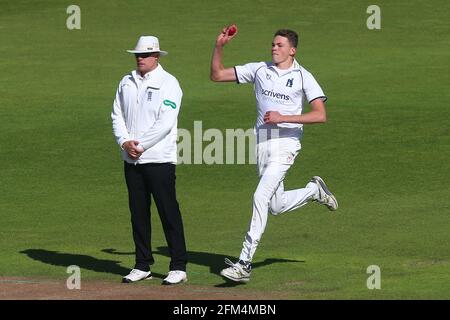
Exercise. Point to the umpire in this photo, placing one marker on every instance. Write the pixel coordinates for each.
(144, 120)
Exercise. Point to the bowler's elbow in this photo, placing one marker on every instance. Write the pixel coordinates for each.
(215, 76)
(319, 110)
(222, 75)
(320, 117)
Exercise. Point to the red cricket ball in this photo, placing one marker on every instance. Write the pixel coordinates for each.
(232, 30)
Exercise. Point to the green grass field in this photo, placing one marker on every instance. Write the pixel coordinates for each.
(384, 151)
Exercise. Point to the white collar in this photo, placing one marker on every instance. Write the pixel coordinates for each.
(149, 75)
(153, 78)
(294, 67)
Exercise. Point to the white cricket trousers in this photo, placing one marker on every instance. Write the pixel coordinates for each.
(274, 158)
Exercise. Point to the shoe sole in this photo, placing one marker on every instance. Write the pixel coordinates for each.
(126, 280)
(328, 192)
(167, 283)
(227, 277)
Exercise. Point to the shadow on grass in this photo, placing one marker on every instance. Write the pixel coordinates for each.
(86, 262)
(214, 261)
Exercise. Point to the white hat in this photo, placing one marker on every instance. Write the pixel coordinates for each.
(147, 44)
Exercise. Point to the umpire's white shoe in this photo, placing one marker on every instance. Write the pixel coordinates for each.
(136, 275)
(175, 277)
(325, 196)
(237, 271)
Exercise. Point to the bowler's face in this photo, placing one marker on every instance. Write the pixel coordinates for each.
(281, 50)
(146, 62)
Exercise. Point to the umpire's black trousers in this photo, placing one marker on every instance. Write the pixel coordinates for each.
(157, 180)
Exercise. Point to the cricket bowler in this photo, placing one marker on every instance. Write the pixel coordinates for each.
(281, 86)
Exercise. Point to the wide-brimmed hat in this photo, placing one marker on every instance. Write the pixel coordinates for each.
(148, 44)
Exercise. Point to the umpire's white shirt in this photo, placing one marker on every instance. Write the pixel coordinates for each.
(146, 109)
(280, 90)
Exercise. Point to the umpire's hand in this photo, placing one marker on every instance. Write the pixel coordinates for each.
(130, 147)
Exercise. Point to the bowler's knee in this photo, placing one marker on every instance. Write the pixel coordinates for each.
(258, 198)
(261, 199)
(275, 209)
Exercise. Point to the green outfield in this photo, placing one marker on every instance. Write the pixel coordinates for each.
(384, 152)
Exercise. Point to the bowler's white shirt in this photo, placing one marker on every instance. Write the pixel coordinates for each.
(280, 90)
(146, 109)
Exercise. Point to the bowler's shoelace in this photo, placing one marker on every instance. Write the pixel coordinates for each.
(229, 262)
(236, 266)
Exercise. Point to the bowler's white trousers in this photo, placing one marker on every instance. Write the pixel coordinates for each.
(274, 158)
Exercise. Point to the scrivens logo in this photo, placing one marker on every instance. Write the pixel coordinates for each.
(276, 95)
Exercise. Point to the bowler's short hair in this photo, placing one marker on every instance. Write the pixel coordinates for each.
(292, 36)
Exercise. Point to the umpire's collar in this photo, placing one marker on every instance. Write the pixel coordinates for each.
(152, 78)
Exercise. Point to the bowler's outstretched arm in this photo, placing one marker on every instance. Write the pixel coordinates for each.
(218, 72)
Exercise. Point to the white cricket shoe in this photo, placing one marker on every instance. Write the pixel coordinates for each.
(325, 196)
(237, 271)
(174, 277)
(137, 275)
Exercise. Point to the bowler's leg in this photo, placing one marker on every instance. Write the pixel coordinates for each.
(268, 184)
(284, 201)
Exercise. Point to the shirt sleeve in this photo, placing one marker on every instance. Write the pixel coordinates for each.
(118, 122)
(311, 87)
(167, 118)
(246, 73)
